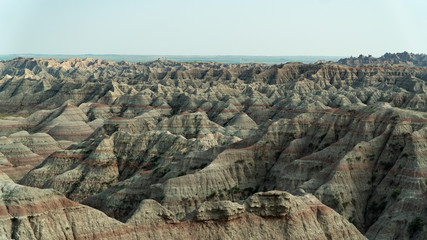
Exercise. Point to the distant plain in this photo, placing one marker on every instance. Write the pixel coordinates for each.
(235, 59)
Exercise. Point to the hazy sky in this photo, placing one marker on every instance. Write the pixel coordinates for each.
(220, 27)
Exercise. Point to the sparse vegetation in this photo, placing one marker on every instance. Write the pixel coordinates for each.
(77, 184)
(155, 159)
(386, 165)
(415, 225)
(234, 189)
(377, 209)
(7, 196)
(4, 115)
(240, 161)
(212, 195)
(395, 193)
(333, 203)
(108, 164)
(161, 171)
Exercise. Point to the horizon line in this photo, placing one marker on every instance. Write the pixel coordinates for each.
(116, 54)
(210, 55)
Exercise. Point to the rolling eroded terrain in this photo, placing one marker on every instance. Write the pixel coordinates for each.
(99, 149)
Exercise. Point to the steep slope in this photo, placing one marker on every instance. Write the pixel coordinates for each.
(46, 214)
(191, 140)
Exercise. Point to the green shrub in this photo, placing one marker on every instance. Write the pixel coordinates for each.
(333, 203)
(377, 209)
(212, 195)
(395, 193)
(77, 184)
(240, 161)
(235, 189)
(387, 165)
(161, 171)
(415, 226)
(155, 160)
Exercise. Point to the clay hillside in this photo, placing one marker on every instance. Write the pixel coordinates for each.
(94, 149)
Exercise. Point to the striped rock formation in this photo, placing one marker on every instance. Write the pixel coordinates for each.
(31, 213)
(193, 141)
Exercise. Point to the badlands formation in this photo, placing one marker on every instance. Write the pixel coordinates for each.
(93, 149)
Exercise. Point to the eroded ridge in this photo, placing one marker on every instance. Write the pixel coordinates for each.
(205, 147)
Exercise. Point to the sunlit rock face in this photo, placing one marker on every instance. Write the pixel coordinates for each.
(213, 150)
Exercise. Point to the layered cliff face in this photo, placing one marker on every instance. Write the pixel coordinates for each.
(30, 213)
(22, 151)
(192, 145)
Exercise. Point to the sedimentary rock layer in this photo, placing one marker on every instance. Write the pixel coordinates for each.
(197, 143)
(30, 213)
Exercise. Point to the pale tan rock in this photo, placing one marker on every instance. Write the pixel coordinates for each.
(150, 212)
(30, 213)
(189, 134)
(76, 131)
(40, 143)
(222, 211)
(270, 204)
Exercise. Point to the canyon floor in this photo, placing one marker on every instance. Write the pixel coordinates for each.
(95, 149)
